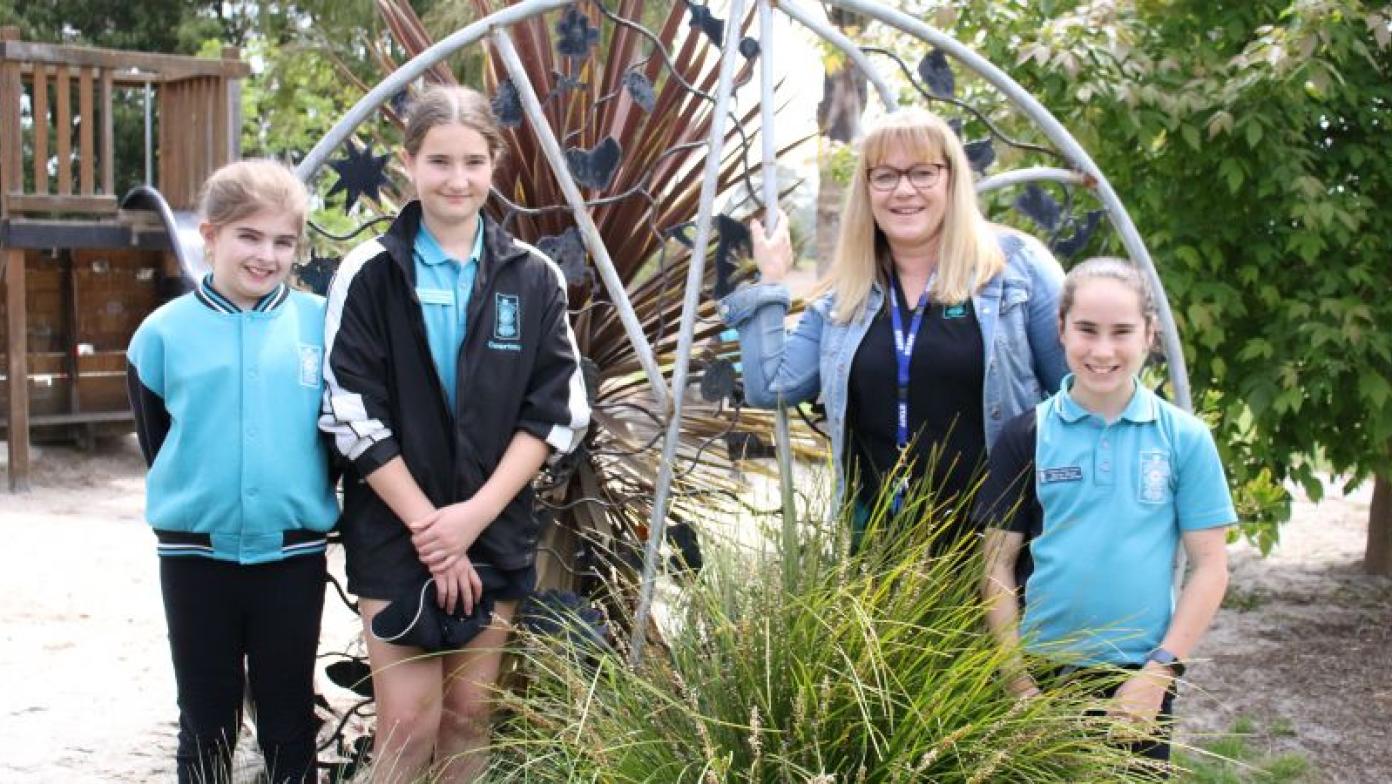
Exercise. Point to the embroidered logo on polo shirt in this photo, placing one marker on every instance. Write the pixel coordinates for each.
(955, 311)
(507, 323)
(1155, 477)
(311, 365)
(1061, 474)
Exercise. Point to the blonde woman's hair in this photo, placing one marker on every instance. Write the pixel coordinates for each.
(244, 187)
(968, 253)
(441, 104)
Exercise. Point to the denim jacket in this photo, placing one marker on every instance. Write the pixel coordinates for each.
(1017, 311)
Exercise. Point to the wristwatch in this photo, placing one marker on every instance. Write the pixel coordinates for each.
(1162, 656)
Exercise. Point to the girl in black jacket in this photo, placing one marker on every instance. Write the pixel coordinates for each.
(451, 375)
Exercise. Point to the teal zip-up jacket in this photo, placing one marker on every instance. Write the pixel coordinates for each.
(226, 405)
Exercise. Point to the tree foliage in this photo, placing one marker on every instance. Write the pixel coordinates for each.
(1249, 140)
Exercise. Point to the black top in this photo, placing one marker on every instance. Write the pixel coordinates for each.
(946, 376)
(1007, 498)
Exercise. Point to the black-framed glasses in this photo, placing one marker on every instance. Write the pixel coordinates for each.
(922, 175)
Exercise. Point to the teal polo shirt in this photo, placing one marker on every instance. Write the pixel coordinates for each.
(1115, 499)
(444, 286)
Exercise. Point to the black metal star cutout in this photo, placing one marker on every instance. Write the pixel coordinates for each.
(360, 173)
(711, 25)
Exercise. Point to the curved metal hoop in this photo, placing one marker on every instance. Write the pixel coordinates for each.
(495, 26)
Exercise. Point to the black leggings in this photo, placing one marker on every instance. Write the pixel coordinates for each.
(221, 614)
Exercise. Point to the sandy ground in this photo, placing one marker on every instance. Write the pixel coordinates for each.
(1305, 649)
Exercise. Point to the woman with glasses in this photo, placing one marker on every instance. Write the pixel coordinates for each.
(931, 329)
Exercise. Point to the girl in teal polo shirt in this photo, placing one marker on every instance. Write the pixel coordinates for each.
(1098, 486)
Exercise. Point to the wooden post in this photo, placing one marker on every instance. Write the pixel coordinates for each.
(40, 128)
(16, 328)
(86, 144)
(62, 121)
(11, 151)
(108, 140)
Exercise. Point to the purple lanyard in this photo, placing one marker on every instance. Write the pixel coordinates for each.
(903, 354)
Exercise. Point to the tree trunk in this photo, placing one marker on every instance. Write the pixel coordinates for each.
(838, 120)
(1377, 558)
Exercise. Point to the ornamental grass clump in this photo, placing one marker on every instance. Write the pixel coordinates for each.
(871, 667)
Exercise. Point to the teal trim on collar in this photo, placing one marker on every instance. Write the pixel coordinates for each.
(214, 300)
(1140, 408)
(428, 250)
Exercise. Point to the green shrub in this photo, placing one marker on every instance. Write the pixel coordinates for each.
(874, 667)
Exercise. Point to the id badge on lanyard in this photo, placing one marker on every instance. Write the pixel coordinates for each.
(903, 355)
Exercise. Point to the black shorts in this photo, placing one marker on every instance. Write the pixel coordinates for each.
(382, 564)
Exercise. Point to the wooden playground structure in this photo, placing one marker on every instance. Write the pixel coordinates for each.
(83, 267)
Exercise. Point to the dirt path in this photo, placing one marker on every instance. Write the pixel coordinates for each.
(89, 697)
(1304, 646)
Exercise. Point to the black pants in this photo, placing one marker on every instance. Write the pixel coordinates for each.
(221, 614)
(1104, 684)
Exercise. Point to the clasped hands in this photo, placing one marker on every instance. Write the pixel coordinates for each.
(442, 539)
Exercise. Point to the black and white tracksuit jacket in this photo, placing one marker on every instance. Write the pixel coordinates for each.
(518, 369)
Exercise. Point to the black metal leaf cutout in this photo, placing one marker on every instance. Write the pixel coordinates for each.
(352, 674)
(749, 47)
(317, 273)
(640, 90)
(574, 35)
(733, 242)
(564, 615)
(717, 380)
(1072, 245)
(507, 104)
(711, 25)
(937, 74)
(400, 101)
(565, 83)
(747, 446)
(956, 125)
(1039, 207)
(980, 154)
(591, 374)
(567, 249)
(360, 173)
(595, 168)
(687, 558)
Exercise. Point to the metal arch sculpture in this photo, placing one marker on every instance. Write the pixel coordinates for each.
(1078, 170)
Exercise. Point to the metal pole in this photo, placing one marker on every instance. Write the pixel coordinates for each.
(782, 439)
(411, 70)
(1032, 174)
(847, 46)
(1072, 151)
(551, 148)
(694, 279)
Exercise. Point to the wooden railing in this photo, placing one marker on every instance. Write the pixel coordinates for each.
(196, 100)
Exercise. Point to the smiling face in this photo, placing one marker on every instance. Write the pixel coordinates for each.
(910, 217)
(251, 256)
(452, 171)
(1105, 337)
